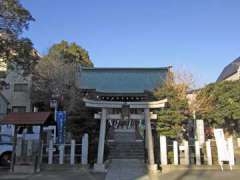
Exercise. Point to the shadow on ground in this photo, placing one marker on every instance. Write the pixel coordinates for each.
(68, 174)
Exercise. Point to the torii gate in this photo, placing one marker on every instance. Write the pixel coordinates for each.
(103, 116)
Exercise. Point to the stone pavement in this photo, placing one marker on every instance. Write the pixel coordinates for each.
(136, 170)
(66, 174)
(127, 170)
(120, 170)
(201, 175)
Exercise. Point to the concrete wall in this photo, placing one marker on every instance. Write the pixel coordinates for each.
(21, 99)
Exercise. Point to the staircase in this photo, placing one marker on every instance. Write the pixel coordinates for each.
(125, 146)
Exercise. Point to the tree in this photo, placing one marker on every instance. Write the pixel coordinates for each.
(15, 51)
(70, 53)
(56, 74)
(184, 103)
(225, 111)
(200, 103)
(170, 120)
(53, 77)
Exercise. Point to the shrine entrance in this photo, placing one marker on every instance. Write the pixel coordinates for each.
(127, 121)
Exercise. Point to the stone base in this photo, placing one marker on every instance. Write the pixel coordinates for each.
(152, 168)
(99, 168)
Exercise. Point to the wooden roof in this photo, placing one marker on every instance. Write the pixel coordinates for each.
(26, 118)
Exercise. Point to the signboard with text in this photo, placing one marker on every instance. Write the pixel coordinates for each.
(60, 118)
(222, 150)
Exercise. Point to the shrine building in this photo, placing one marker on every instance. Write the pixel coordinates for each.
(122, 98)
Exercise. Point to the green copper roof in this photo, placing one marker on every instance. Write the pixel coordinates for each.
(122, 80)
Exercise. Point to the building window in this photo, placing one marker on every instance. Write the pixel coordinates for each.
(20, 87)
(19, 109)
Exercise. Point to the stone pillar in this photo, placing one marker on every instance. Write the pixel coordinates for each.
(61, 154)
(99, 166)
(146, 139)
(175, 152)
(231, 151)
(200, 132)
(85, 149)
(197, 153)
(186, 152)
(151, 162)
(50, 152)
(209, 152)
(72, 152)
(163, 150)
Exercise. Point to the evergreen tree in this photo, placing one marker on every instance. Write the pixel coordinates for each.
(226, 105)
(170, 120)
(69, 53)
(15, 51)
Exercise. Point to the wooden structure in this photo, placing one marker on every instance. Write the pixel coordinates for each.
(26, 157)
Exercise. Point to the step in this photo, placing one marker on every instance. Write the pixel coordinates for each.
(126, 147)
(127, 144)
(125, 157)
(126, 150)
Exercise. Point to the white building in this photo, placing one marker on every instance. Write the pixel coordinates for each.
(14, 96)
(17, 92)
(231, 72)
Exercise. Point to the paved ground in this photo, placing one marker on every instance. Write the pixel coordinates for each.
(135, 170)
(124, 171)
(127, 170)
(69, 174)
(201, 175)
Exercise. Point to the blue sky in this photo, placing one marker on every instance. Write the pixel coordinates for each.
(202, 36)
